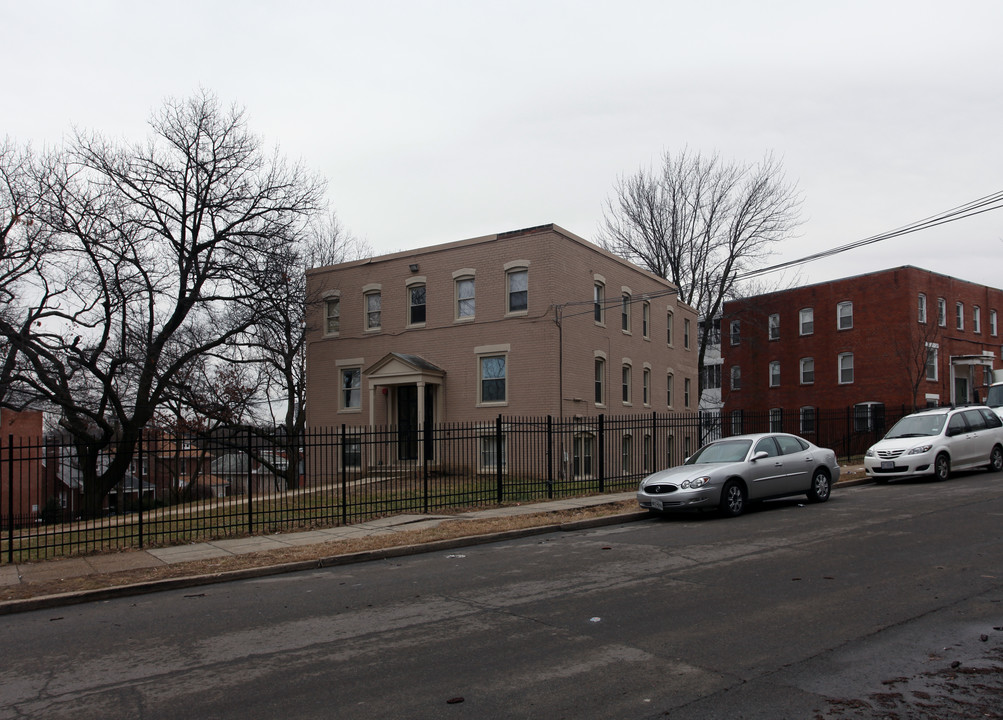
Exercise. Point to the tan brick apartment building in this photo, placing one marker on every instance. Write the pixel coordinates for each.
(533, 322)
(892, 338)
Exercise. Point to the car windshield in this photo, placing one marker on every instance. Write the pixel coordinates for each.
(917, 426)
(720, 452)
(994, 398)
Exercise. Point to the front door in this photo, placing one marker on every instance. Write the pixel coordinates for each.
(960, 389)
(407, 421)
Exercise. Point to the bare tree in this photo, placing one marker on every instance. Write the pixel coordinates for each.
(700, 223)
(24, 250)
(915, 347)
(163, 248)
(277, 347)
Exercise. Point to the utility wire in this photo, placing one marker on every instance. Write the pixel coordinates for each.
(975, 207)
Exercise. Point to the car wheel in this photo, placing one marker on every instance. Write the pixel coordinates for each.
(942, 467)
(996, 459)
(732, 499)
(821, 486)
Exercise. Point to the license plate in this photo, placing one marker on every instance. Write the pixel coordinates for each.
(657, 504)
(887, 465)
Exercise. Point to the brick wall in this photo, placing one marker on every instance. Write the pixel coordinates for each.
(885, 332)
(549, 366)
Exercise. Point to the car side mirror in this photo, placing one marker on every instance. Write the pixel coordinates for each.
(760, 455)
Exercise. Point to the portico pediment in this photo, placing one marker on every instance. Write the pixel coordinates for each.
(400, 368)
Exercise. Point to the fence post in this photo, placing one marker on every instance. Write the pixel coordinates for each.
(344, 473)
(250, 483)
(602, 453)
(550, 457)
(426, 445)
(140, 488)
(498, 456)
(10, 498)
(652, 462)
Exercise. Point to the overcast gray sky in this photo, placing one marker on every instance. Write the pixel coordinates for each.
(439, 120)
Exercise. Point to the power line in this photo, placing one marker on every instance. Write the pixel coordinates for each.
(970, 209)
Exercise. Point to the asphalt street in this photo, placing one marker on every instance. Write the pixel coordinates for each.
(886, 594)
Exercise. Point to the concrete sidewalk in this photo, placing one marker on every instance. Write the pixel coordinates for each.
(114, 562)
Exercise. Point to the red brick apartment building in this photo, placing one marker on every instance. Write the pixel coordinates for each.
(533, 322)
(901, 337)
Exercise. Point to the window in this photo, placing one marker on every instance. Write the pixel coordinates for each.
(668, 391)
(775, 373)
(845, 368)
(489, 453)
(992, 323)
(806, 321)
(931, 361)
(868, 416)
(686, 392)
(518, 290)
(710, 377)
(668, 328)
(351, 389)
(625, 312)
(374, 302)
(646, 320)
(492, 374)
(976, 319)
(807, 371)
(736, 332)
(582, 455)
(776, 420)
(465, 298)
(922, 308)
(807, 420)
(736, 422)
(686, 333)
(332, 316)
(351, 453)
(714, 334)
(959, 315)
(625, 384)
(416, 304)
(774, 327)
(598, 303)
(844, 315)
(646, 452)
(600, 381)
(736, 377)
(646, 386)
(942, 312)
(626, 450)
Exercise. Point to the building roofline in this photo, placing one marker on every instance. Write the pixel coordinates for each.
(483, 239)
(864, 275)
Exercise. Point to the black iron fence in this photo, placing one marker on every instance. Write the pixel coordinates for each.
(187, 489)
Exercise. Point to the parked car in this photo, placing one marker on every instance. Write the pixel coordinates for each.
(726, 474)
(937, 441)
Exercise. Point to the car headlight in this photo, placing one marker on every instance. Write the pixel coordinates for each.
(920, 449)
(869, 453)
(694, 483)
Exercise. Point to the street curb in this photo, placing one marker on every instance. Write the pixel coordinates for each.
(11, 607)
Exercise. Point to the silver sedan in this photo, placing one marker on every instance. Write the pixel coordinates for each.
(727, 474)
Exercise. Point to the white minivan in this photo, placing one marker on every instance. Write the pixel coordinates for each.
(937, 441)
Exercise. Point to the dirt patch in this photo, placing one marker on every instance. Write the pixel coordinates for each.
(445, 531)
